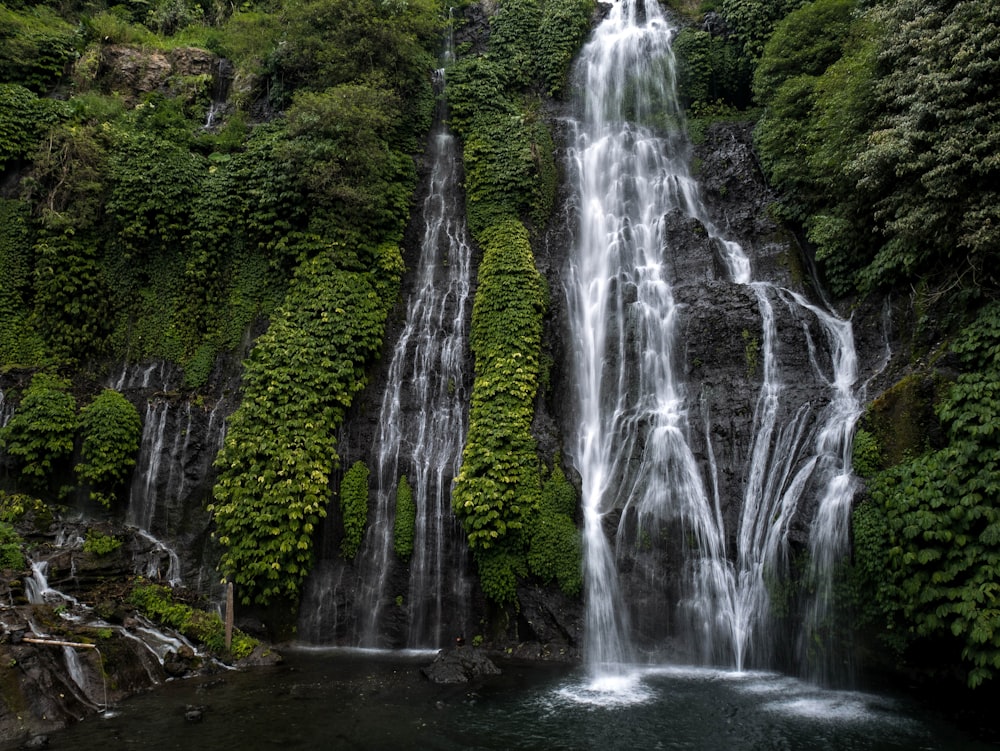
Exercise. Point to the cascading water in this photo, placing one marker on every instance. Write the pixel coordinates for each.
(421, 431)
(6, 409)
(179, 443)
(698, 579)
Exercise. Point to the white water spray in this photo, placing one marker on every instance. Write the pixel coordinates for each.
(629, 158)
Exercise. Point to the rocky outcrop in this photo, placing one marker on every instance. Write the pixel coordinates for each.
(459, 665)
(71, 644)
(133, 72)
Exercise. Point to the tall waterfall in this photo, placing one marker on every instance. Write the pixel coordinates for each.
(421, 432)
(681, 576)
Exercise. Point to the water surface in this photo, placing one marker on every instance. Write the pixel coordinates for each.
(365, 700)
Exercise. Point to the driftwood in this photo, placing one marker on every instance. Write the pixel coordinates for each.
(56, 643)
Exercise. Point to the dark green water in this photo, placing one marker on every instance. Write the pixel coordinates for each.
(339, 700)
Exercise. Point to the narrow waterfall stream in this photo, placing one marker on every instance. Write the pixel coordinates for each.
(6, 409)
(682, 578)
(421, 431)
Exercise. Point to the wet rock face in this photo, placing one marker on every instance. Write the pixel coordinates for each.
(134, 72)
(720, 345)
(44, 687)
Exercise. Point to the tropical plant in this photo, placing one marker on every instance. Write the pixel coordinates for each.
(928, 539)
(354, 508)
(39, 436)
(111, 428)
(403, 525)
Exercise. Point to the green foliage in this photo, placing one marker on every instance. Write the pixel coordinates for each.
(71, 299)
(354, 507)
(158, 603)
(928, 540)
(100, 544)
(21, 343)
(815, 79)
(111, 428)
(881, 130)
(498, 487)
(299, 380)
(510, 171)
(327, 43)
(811, 38)
(114, 27)
(15, 507)
(24, 118)
(750, 22)
(498, 484)
(339, 150)
(866, 457)
(508, 149)
(403, 524)
(511, 178)
(563, 29)
(500, 567)
(11, 556)
(151, 179)
(534, 42)
(513, 39)
(710, 69)
(555, 551)
(39, 436)
(931, 164)
(36, 46)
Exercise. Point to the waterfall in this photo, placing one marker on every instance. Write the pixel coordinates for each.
(421, 430)
(6, 409)
(681, 576)
(179, 442)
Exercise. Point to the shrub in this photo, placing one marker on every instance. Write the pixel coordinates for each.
(100, 544)
(406, 515)
(158, 603)
(11, 556)
(111, 429)
(354, 507)
(39, 436)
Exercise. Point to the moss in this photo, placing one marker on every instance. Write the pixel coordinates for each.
(902, 419)
(158, 603)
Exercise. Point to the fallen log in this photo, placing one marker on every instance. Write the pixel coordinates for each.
(57, 643)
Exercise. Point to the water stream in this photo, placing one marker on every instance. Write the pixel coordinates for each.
(6, 409)
(711, 602)
(421, 431)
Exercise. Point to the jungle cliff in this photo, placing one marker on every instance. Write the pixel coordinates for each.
(210, 213)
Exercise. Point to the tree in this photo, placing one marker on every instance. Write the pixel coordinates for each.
(111, 430)
(39, 436)
(932, 163)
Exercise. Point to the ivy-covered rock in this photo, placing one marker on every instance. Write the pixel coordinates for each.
(354, 507)
(928, 538)
(280, 449)
(498, 487)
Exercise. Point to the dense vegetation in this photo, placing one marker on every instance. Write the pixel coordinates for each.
(153, 207)
(495, 105)
(158, 202)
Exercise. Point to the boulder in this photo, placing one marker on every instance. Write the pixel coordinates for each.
(459, 665)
